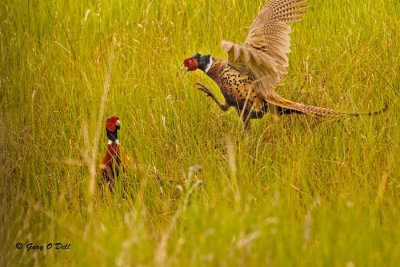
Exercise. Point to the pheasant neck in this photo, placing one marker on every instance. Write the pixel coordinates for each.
(115, 141)
(209, 65)
(216, 69)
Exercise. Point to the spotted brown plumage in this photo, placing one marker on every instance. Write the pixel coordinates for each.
(248, 77)
(237, 89)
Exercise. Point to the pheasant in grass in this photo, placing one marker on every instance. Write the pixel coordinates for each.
(248, 77)
(111, 163)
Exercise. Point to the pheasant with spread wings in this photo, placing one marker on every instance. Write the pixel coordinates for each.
(248, 78)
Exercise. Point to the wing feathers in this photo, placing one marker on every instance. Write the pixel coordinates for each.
(280, 11)
(263, 54)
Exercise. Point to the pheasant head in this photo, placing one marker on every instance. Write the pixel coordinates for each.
(198, 61)
(113, 124)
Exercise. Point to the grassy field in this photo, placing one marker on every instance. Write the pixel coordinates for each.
(302, 192)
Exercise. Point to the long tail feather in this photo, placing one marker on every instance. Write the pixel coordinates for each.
(317, 111)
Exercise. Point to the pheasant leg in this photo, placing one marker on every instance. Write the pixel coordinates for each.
(223, 107)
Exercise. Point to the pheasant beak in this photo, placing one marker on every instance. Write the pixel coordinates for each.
(118, 123)
(184, 69)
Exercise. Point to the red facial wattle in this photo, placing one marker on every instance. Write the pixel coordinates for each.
(191, 64)
(111, 123)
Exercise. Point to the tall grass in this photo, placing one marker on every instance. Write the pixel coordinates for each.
(304, 191)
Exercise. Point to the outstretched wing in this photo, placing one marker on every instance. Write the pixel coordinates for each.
(263, 54)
